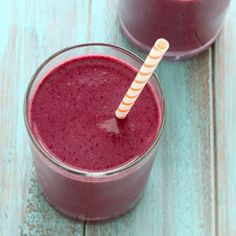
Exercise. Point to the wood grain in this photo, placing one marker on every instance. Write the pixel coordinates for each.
(225, 113)
(179, 199)
(13, 149)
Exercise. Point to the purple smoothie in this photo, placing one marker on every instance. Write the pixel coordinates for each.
(73, 113)
(190, 26)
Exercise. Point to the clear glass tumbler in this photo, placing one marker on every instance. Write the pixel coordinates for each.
(190, 26)
(87, 195)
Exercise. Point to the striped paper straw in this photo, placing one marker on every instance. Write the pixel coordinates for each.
(153, 59)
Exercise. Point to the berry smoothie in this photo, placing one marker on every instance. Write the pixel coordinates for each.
(73, 113)
(71, 116)
(190, 26)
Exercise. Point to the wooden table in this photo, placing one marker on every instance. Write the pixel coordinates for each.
(192, 189)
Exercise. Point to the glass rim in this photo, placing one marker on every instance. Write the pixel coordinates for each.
(81, 172)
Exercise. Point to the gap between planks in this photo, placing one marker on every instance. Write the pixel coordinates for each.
(84, 228)
(214, 140)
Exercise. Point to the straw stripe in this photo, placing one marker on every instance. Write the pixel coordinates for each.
(149, 66)
(141, 79)
(134, 89)
(128, 96)
(120, 110)
(154, 57)
(145, 74)
(141, 82)
(127, 103)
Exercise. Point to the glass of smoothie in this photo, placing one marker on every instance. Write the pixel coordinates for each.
(90, 165)
(190, 26)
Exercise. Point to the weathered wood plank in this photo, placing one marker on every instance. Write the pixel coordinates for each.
(30, 32)
(13, 161)
(179, 199)
(42, 219)
(225, 113)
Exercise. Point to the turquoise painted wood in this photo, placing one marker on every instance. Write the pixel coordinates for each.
(192, 186)
(225, 136)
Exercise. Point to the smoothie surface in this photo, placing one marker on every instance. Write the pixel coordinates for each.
(72, 114)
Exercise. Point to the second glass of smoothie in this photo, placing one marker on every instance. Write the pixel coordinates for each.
(90, 165)
(190, 26)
